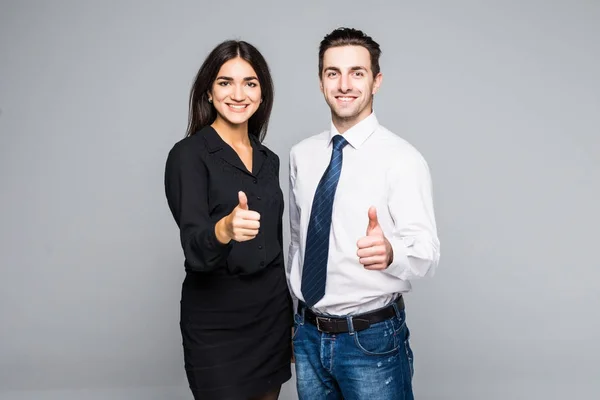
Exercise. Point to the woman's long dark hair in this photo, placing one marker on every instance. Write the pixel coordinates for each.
(202, 113)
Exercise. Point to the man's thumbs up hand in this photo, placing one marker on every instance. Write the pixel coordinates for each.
(374, 250)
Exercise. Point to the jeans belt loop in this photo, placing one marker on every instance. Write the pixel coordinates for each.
(350, 325)
(396, 309)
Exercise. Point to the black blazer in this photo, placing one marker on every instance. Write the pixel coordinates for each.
(203, 175)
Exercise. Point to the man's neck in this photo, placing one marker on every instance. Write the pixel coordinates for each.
(344, 124)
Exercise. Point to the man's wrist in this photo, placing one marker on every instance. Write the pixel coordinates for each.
(390, 252)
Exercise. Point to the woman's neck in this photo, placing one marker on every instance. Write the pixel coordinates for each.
(234, 135)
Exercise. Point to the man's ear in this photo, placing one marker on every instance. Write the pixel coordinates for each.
(377, 82)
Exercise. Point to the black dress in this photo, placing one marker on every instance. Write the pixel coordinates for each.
(236, 310)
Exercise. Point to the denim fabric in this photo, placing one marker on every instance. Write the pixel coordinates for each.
(372, 364)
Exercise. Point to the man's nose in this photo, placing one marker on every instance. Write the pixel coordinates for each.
(345, 84)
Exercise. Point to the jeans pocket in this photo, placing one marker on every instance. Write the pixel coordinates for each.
(378, 340)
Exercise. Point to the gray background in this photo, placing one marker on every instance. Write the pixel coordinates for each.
(501, 97)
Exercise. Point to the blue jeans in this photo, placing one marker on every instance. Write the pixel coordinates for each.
(372, 364)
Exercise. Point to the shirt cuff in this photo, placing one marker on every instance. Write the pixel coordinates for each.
(400, 266)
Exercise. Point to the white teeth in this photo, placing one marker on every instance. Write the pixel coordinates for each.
(237, 107)
(346, 98)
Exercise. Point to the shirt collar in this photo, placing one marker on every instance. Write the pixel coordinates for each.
(359, 133)
(216, 143)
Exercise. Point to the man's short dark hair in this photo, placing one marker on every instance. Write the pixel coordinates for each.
(350, 37)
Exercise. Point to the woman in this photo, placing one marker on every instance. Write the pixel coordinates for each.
(222, 186)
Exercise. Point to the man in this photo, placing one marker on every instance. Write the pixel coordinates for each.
(362, 226)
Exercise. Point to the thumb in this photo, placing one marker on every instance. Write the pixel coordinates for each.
(243, 200)
(373, 222)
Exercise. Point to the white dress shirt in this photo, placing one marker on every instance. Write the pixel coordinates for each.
(379, 169)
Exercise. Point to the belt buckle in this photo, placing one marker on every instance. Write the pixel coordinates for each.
(319, 319)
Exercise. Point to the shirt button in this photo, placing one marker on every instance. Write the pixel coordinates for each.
(258, 198)
(260, 247)
(255, 181)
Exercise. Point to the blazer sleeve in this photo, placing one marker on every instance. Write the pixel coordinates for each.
(186, 189)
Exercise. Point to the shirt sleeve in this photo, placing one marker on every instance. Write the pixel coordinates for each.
(294, 215)
(414, 238)
(186, 188)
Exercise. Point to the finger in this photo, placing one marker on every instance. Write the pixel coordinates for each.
(369, 241)
(240, 223)
(370, 260)
(373, 222)
(243, 200)
(371, 251)
(249, 215)
(245, 232)
(376, 267)
(244, 238)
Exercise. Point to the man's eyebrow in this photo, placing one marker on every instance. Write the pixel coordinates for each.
(355, 68)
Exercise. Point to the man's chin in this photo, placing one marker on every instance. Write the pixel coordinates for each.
(345, 115)
(344, 112)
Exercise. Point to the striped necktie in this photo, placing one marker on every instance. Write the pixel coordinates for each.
(314, 271)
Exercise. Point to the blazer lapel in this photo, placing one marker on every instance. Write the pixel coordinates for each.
(259, 155)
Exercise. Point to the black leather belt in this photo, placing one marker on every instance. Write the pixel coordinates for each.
(360, 322)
